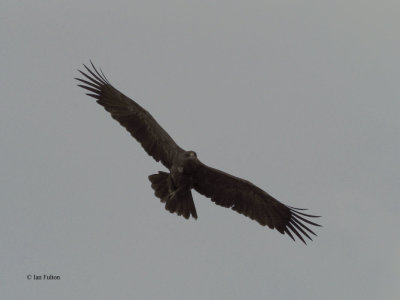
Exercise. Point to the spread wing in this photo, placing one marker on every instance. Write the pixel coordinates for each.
(249, 200)
(137, 121)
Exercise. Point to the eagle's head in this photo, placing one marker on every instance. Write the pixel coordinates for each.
(191, 154)
(190, 161)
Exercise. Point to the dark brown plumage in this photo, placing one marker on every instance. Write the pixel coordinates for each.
(187, 172)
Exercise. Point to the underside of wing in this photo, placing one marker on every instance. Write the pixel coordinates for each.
(137, 121)
(249, 200)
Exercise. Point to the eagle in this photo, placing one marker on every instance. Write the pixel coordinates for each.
(187, 172)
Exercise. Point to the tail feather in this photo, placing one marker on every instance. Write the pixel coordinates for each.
(161, 185)
(179, 201)
(182, 204)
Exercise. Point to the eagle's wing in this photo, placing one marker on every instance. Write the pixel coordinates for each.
(247, 199)
(137, 121)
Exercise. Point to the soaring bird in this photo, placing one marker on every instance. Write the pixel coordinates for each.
(187, 172)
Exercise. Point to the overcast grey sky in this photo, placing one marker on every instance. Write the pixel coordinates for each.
(299, 97)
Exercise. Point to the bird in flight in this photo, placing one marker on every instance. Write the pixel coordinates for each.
(187, 172)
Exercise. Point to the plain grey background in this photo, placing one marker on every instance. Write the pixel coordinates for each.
(299, 97)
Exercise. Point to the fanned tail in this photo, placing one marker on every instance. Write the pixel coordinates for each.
(178, 201)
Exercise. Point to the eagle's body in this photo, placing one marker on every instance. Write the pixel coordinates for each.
(187, 172)
(175, 188)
